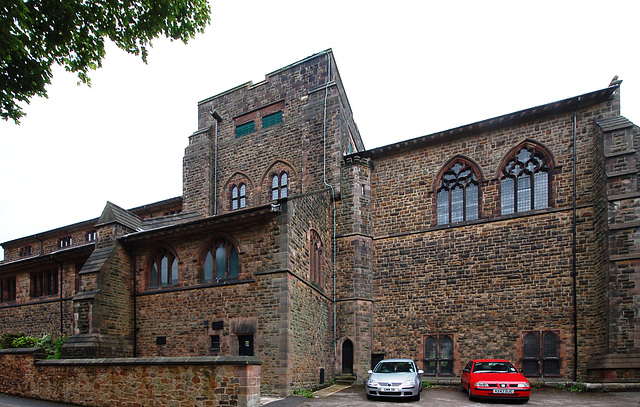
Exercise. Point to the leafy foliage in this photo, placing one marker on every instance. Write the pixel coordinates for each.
(51, 346)
(6, 340)
(36, 34)
(308, 393)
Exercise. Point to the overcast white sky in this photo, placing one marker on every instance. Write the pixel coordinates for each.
(410, 68)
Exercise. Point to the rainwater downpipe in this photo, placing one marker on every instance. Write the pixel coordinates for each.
(333, 199)
(216, 118)
(61, 297)
(574, 272)
(135, 307)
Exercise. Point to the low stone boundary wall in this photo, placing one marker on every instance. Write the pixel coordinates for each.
(132, 382)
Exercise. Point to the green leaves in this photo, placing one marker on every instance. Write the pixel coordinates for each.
(35, 34)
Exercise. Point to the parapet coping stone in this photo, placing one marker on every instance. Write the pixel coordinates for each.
(154, 361)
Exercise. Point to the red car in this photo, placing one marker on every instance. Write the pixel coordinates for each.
(494, 379)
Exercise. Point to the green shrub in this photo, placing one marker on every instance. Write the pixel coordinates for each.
(50, 345)
(6, 340)
(304, 393)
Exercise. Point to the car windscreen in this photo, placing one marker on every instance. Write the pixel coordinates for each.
(394, 367)
(494, 367)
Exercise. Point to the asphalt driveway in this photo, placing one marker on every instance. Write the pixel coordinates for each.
(548, 397)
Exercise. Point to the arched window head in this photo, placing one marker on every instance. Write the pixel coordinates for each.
(238, 196)
(458, 193)
(316, 258)
(525, 182)
(221, 261)
(279, 185)
(163, 269)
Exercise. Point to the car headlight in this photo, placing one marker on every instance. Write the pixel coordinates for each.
(408, 383)
(481, 384)
(523, 385)
(372, 383)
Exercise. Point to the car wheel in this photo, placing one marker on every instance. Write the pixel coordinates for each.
(462, 389)
(369, 397)
(417, 397)
(471, 397)
(525, 400)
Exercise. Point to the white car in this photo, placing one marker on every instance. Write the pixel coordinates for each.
(395, 378)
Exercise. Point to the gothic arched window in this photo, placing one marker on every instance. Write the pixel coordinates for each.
(279, 185)
(525, 182)
(238, 196)
(458, 193)
(163, 269)
(221, 261)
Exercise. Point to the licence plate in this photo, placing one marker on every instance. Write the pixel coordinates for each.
(503, 391)
(390, 390)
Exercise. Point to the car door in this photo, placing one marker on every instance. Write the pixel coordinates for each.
(465, 375)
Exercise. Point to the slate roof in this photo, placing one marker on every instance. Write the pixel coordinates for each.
(97, 259)
(614, 123)
(112, 213)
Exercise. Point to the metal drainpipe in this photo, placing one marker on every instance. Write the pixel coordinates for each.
(574, 273)
(216, 118)
(135, 308)
(61, 297)
(333, 199)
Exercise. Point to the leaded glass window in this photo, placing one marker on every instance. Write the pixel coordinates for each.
(221, 261)
(525, 182)
(238, 196)
(163, 270)
(279, 186)
(458, 190)
(541, 354)
(438, 355)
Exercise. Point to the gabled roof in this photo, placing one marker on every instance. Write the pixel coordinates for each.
(112, 213)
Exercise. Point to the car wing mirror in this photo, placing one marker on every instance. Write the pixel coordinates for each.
(466, 370)
(370, 372)
(420, 371)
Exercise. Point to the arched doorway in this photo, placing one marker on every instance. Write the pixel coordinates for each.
(347, 356)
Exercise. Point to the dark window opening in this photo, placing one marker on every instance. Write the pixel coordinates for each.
(217, 325)
(7, 289)
(245, 345)
(438, 355)
(65, 241)
(44, 283)
(26, 251)
(161, 340)
(375, 358)
(91, 236)
(215, 343)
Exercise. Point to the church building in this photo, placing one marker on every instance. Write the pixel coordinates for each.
(514, 237)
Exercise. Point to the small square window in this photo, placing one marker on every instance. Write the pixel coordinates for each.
(246, 128)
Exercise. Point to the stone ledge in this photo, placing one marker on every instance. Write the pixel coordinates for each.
(196, 360)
